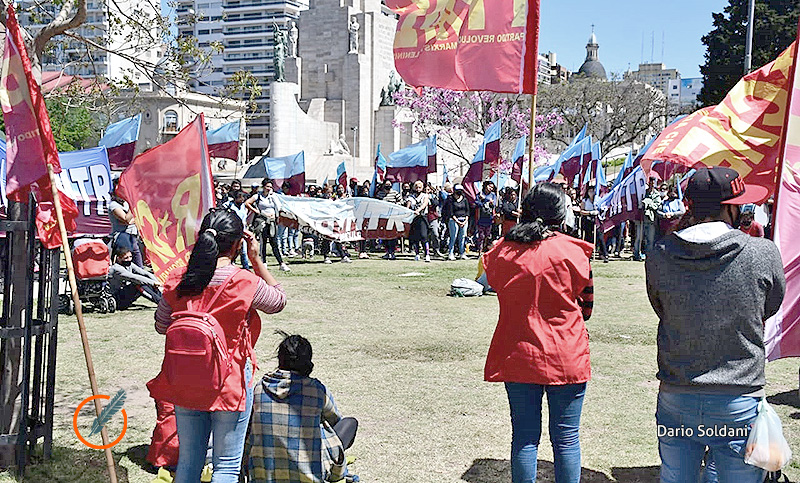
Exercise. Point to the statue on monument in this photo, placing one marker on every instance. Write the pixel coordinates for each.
(339, 146)
(293, 36)
(279, 52)
(388, 92)
(353, 29)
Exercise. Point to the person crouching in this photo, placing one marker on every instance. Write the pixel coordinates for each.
(296, 431)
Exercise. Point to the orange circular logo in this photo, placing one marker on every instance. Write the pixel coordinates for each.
(78, 433)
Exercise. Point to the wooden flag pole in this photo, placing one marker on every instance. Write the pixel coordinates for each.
(112, 472)
(530, 141)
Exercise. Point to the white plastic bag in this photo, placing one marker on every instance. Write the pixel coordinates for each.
(766, 447)
(464, 287)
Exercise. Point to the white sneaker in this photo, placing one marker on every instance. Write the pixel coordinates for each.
(285, 268)
(416, 258)
(346, 260)
(464, 256)
(427, 258)
(327, 260)
(451, 256)
(292, 253)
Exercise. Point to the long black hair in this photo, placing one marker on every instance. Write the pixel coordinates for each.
(543, 209)
(294, 354)
(219, 232)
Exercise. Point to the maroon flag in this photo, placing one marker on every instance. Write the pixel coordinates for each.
(30, 143)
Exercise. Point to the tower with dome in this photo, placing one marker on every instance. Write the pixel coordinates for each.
(592, 67)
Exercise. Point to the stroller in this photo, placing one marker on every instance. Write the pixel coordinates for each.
(92, 261)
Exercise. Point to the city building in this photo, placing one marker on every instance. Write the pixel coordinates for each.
(245, 30)
(544, 72)
(558, 73)
(77, 58)
(656, 75)
(592, 67)
(690, 90)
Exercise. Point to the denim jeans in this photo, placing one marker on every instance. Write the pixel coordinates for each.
(688, 423)
(637, 243)
(649, 228)
(457, 235)
(565, 403)
(245, 260)
(229, 429)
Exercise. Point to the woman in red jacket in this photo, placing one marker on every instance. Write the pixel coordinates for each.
(232, 296)
(543, 282)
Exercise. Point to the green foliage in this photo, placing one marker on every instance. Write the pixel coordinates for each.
(774, 29)
(73, 125)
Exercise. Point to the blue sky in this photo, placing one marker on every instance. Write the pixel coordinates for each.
(620, 25)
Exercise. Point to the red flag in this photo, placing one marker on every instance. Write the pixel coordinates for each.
(743, 132)
(468, 45)
(31, 146)
(170, 190)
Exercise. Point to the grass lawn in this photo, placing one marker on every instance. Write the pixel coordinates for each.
(407, 361)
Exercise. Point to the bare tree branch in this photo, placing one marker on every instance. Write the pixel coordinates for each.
(64, 21)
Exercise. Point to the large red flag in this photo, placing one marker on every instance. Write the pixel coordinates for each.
(31, 146)
(170, 190)
(782, 332)
(742, 132)
(468, 45)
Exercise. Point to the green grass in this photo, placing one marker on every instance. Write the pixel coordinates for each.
(407, 361)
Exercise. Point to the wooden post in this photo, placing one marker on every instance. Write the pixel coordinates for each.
(112, 472)
(530, 141)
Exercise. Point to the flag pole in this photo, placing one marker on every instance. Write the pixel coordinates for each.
(112, 472)
(530, 141)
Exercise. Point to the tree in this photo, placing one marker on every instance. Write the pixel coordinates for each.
(774, 29)
(459, 119)
(619, 112)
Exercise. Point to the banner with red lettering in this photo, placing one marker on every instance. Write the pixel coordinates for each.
(169, 189)
(743, 132)
(477, 45)
(348, 219)
(623, 202)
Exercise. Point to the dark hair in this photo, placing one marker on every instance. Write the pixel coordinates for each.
(543, 208)
(120, 251)
(294, 354)
(702, 209)
(203, 260)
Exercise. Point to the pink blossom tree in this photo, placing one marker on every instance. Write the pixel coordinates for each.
(459, 119)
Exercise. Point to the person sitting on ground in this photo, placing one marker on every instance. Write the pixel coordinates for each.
(747, 222)
(296, 431)
(128, 281)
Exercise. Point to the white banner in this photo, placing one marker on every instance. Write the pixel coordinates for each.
(350, 219)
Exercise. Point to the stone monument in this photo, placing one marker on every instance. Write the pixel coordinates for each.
(293, 36)
(353, 29)
(279, 52)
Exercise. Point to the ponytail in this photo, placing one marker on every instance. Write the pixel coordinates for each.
(219, 232)
(543, 210)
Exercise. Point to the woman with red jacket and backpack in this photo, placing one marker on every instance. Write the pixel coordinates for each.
(544, 285)
(210, 296)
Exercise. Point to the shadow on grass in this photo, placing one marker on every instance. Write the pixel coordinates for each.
(494, 471)
(137, 455)
(70, 465)
(787, 398)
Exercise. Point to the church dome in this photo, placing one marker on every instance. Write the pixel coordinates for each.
(592, 67)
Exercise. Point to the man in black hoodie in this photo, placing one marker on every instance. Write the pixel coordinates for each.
(712, 287)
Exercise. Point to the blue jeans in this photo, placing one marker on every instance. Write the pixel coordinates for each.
(245, 260)
(457, 235)
(688, 423)
(229, 429)
(565, 403)
(650, 228)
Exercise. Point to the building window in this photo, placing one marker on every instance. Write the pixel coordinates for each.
(170, 121)
(202, 32)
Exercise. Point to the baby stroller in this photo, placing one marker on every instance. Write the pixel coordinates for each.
(92, 260)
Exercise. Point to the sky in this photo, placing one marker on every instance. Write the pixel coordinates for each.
(623, 27)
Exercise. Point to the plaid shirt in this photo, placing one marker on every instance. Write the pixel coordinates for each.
(291, 431)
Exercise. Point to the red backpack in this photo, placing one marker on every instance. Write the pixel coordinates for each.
(196, 355)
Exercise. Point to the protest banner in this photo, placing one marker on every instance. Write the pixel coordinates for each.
(291, 169)
(170, 190)
(468, 46)
(348, 219)
(623, 202)
(743, 132)
(86, 178)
